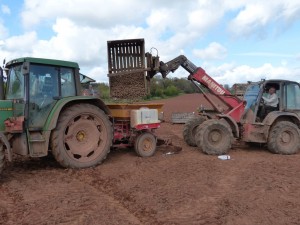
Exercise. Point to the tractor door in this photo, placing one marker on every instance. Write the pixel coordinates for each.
(43, 94)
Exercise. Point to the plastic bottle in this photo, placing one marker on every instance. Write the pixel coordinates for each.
(224, 157)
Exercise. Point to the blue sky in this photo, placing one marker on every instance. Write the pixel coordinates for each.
(234, 41)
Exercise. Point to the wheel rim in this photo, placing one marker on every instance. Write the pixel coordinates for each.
(147, 145)
(215, 137)
(85, 137)
(286, 139)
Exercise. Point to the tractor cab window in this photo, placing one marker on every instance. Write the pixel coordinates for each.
(292, 96)
(67, 82)
(15, 88)
(43, 81)
(251, 95)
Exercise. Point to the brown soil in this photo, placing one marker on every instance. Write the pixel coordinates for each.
(254, 187)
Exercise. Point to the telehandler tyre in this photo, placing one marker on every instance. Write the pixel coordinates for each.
(189, 130)
(284, 138)
(83, 136)
(145, 144)
(214, 137)
(2, 154)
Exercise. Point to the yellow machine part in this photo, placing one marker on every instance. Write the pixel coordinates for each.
(122, 111)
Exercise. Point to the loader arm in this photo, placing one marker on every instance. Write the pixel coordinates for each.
(235, 106)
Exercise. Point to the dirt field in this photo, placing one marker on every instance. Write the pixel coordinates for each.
(254, 187)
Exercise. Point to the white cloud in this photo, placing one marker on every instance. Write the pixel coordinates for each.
(99, 74)
(5, 9)
(256, 15)
(213, 51)
(21, 44)
(231, 73)
(204, 19)
(89, 12)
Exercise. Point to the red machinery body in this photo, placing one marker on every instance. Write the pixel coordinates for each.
(235, 106)
(125, 132)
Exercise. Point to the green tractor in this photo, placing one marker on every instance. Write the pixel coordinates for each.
(42, 108)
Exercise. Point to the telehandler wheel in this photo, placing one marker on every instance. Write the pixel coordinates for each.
(214, 137)
(189, 130)
(2, 153)
(145, 144)
(83, 136)
(284, 138)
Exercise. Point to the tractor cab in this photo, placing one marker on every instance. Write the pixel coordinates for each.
(35, 85)
(287, 92)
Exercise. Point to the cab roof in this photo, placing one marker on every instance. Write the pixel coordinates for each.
(43, 61)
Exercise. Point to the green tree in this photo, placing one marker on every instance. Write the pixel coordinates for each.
(171, 90)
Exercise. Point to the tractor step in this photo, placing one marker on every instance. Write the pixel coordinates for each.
(38, 146)
(36, 137)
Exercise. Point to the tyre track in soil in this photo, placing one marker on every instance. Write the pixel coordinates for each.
(58, 199)
(243, 188)
(266, 192)
(123, 199)
(184, 202)
(221, 184)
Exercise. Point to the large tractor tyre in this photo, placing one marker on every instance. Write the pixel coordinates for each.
(284, 138)
(189, 130)
(83, 136)
(2, 158)
(145, 145)
(214, 137)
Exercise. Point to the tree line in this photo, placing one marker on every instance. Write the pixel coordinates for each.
(159, 87)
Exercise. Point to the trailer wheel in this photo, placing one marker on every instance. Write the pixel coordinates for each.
(83, 136)
(284, 138)
(145, 144)
(2, 153)
(189, 130)
(214, 137)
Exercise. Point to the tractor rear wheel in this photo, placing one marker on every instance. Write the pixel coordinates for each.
(189, 130)
(145, 144)
(284, 138)
(83, 136)
(214, 137)
(2, 153)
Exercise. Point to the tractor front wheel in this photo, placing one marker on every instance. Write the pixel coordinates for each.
(214, 137)
(145, 144)
(284, 138)
(2, 153)
(189, 130)
(83, 136)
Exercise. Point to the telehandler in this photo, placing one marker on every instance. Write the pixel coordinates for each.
(240, 118)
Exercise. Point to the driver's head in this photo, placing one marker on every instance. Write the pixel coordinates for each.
(272, 90)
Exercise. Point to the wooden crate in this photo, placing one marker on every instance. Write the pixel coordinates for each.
(126, 69)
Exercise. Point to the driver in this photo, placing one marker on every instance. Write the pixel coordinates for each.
(271, 101)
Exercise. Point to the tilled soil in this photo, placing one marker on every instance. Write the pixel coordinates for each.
(253, 187)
